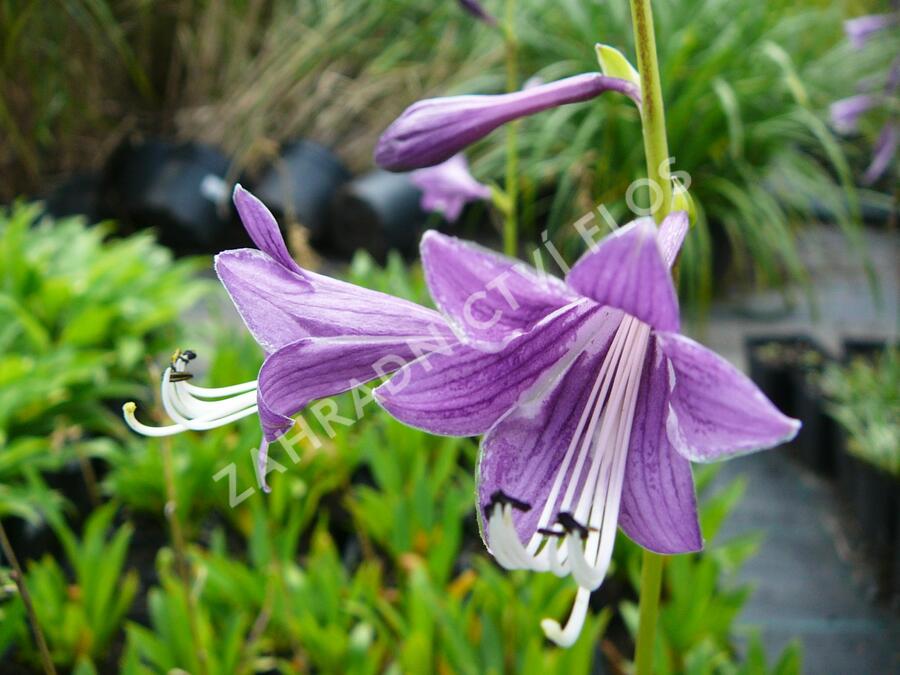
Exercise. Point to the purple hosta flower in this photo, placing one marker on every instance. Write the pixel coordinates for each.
(845, 113)
(860, 29)
(448, 187)
(592, 405)
(885, 151)
(432, 131)
(321, 337)
(474, 8)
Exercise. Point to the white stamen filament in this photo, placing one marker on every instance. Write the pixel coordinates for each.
(603, 433)
(196, 408)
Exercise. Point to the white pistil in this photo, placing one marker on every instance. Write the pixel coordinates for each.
(565, 637)
(602, 434)
(195, 408)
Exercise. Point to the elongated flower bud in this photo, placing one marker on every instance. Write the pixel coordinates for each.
(433, 130)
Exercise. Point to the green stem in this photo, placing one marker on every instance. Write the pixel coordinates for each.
(179, 543)
(651, 581)
(656, 150)
(19, 579)
(511, 223)
(653, 114)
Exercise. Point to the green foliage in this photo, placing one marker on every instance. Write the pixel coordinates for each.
(79, 313)
(365, 558)
(420, 497)
(701, 602)
(746, 87)
(395, 278)
(81, 617)
(185, 634)
(865, 400)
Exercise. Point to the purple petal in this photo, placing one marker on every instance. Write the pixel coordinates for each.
(659, 507)
(485, 295)
(313, 368)
(464, 393)
(672, 231)
(280, 306)
(845, 113)
(474, 8)
(627, 271)
(433, 130)
(449, 186)
(715, 411)
(522, 453)
(885, 149)
(263, 228)
(862, 28)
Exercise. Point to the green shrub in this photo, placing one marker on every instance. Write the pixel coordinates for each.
(865, 400)
(79, 315)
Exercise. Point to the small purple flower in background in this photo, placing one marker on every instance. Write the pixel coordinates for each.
(862, 28)
(321, 337)
(432, 131)
(885, 151)
(845, 113)
(474, 8)
(448, 187)
(592, 403)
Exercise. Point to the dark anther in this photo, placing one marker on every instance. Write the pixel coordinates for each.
(569, 524)
(547, 532)
(176, 376)
(500, 497)
(188, 355)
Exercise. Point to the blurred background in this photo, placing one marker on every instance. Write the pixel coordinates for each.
(124, 125)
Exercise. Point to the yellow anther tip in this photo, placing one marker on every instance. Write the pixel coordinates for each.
(129, 408)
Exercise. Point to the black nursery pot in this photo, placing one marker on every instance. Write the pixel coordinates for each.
(769, 371)
(876, 502)
(177, 189)
(865, 348)
(76, 195)
(378, 212)
(300, 184)
(786, 368)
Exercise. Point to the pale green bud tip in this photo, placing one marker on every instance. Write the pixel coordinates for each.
(614, 64)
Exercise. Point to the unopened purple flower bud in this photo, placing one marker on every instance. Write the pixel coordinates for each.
(431, 131)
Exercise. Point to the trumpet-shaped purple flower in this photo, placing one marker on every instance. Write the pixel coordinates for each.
(432, 131)
(448, 187)
(860, 30)
(321, 337)
(592, 404)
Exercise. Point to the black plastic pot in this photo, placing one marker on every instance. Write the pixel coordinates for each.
(770, 370)
(787, 369)
(77, 195)
(876, 506)
(865, 348)
(378, 212)
(177, 189)
(299, 185)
